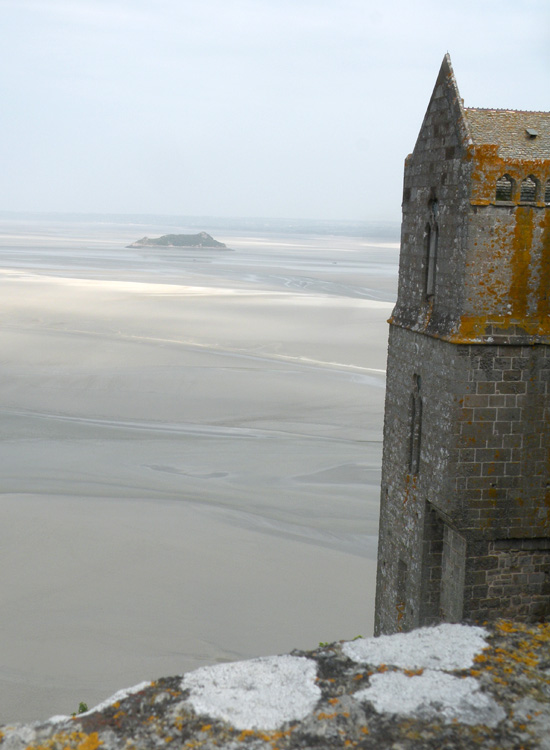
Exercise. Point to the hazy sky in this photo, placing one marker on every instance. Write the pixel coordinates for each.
(294, 108)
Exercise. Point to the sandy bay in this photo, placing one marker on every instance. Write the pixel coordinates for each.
(191, 447)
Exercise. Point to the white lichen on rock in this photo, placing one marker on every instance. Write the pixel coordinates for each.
(445, 646)
(432, 695)
(261, 693)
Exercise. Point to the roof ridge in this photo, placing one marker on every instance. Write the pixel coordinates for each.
(504, 109)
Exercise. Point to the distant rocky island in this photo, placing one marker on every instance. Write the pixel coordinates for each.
(202, 239)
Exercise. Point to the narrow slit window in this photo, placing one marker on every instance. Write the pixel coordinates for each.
(427, 240)
(401, 590)
(528, 189)
(505, 188)
(415, 427)
(430, 253)
(432, 261)
(547, 192)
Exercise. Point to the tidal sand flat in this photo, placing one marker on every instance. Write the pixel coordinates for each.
(191, 446)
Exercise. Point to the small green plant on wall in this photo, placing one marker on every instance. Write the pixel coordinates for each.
(82, 708)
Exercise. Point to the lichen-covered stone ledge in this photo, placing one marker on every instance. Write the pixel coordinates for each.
(451, 686)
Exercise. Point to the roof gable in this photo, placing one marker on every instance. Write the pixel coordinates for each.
(445, 97)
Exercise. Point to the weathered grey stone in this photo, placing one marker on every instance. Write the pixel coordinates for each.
(497, 698)
(467, 427)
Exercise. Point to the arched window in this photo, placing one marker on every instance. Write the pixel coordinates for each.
(505, 188)
(547, 192)
(529, 189)
(431, 236)
(415, 427)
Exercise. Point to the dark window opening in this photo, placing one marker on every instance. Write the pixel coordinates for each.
(430, 251)
(401, 591)
(505, 188)
(415, 427)
(427, 242)
(432, 550)
(529, 189)
(432, 260)
(547, 192)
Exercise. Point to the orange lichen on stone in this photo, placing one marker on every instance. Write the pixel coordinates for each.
(521, 262)
(413, 672)
(72, 741)
(543, 292)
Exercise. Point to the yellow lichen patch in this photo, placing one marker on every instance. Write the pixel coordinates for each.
(271, 737)
(505, 626)
(322, 716)
(333, 701)
(206, 727)
(507, 269)
(69, 741)
(413, 672)
(521, 262)
(473, 328)
(543, 291)
(91, 742)
(517, 659)
(499, 680)
(489, 167)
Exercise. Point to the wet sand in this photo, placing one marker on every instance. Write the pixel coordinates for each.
(191, 450)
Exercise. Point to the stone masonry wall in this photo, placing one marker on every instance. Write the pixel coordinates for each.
(502, 432)
(438, 170)
(466, 463)
(408, 530)
(519, 585)
(482, 477)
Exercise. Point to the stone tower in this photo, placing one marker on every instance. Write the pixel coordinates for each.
(465, 506)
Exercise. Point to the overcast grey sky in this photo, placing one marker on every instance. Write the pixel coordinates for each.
(292, 108)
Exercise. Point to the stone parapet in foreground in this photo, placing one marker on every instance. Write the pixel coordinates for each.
(451, 686)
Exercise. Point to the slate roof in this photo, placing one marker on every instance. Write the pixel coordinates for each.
(507, 128)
